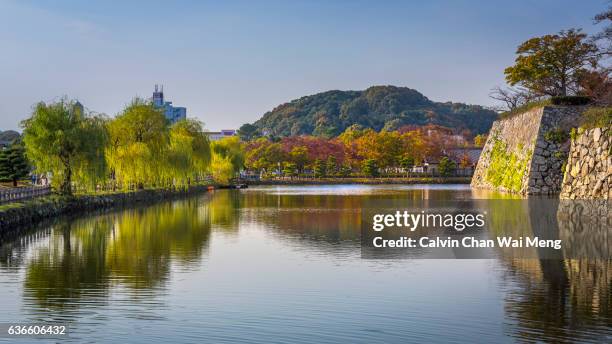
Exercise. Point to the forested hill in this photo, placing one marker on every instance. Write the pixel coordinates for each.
(378, 107)
(8, 136)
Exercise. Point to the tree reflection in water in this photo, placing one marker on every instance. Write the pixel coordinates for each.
(132, 248)
(78, 262)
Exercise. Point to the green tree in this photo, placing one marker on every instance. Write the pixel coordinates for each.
(60, 138)
(189, 153)
(228, 158)
(319, 168)
(345, 171)
(352, 133)
(222, 170)
(447, 167)
(330, 165)
(290, 169)
(247, 132)
(406, 162)
(139, 140)
(299, 156)
(370, 168)
(552, 65)
(13, 164)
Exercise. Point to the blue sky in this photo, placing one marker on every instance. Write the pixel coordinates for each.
(229, 62)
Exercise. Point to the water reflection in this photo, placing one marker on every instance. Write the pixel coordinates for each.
(81, 260)
(76, 267)
(567, 300)
(556, 298)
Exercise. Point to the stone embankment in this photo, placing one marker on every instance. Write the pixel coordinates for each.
(36, 210)
(589, 167)
(525, 153)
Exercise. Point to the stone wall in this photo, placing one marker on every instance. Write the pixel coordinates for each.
(525, 153)
(588, 174)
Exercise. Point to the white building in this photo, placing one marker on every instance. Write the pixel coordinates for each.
(218, 135)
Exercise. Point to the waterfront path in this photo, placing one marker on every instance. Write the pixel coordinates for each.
(20, 193)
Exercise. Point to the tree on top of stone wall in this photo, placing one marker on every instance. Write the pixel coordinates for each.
(552, 65)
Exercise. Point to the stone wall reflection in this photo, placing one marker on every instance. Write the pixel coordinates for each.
(586, 228)
(569, 296)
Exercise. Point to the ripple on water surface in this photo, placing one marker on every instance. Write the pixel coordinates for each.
(283, 264)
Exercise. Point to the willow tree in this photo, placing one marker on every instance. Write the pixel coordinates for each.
(227, 159)
(189, 153)
(138, 140)
(60, 138)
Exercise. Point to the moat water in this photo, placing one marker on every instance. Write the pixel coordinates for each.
(283, 264)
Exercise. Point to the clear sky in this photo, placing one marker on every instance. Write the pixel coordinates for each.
(229, 62)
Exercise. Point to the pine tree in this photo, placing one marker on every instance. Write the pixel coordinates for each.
(447, 167)
(13, 164)
(345, 170)
(370, 168)
(330, 165)
(319, 169)
(407, 162)
(290, 169)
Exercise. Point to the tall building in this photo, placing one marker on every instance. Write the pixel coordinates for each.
(79, 107)
(173, 113)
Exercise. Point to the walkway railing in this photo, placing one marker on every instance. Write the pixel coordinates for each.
(15, 194)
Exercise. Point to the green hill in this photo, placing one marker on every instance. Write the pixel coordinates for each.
(6, 137)
(378, 107)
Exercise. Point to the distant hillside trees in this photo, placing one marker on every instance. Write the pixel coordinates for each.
(8, 136)
(387, 108)
(340, 156)
(248, 131)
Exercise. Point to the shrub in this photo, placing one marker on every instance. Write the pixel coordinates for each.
(596, 117)
(525, 108)
(570, 100)
(507, 168)
(560, 155)
(556, 135)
